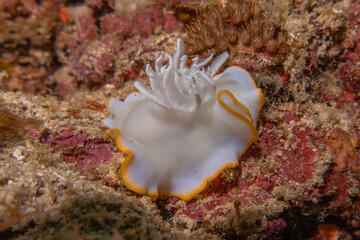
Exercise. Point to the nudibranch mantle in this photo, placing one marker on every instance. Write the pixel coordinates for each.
(187, 128)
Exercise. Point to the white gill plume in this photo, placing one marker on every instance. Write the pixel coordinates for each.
(178, 87)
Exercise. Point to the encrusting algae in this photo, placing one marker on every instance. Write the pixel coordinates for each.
(61, 63)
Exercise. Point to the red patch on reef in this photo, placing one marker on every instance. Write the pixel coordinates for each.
(142, 23)
(170, 22)
(145, 23)
(66, 138)
(275, 226)
(291, 117)
(65, 87)
(111, 24)
(198, 210)
(286, 79)
(95, 3)
(105, 63)
(294, 160)
(87, 153)
(86, 27)
(194, 211)
(350, 76)
(90, 156)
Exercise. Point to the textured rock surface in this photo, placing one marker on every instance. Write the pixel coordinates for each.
(62, 61)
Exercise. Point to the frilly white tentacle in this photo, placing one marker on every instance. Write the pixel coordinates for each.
(179, 87)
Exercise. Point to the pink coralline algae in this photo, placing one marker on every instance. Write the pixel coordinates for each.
(170, 22)
(145, 23)
(116, 36)
(105, 63)
(89, 157)
(86, 153)
(300, 179)
(86, 27)
(111, 23)
(275, 226)
(296, 161)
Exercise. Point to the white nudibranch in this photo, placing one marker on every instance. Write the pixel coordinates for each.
(187, 128)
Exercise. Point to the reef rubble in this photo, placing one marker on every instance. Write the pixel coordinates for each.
(61, 61)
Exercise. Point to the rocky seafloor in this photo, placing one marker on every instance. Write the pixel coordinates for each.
(61, 61)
